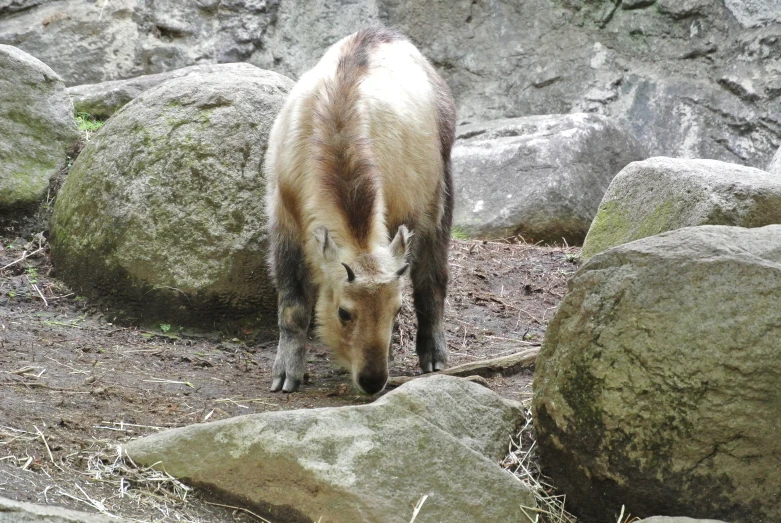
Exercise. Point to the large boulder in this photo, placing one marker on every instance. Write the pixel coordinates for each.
(18, 512)
(657, 386)
(694, 79)
(163, 209)
(540, 176)
(440, 437)
(662, 194)
(36, 125)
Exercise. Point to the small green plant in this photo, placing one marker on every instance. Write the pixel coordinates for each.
(458, 233)
(32, 274)
(88, 124)
(165, 327)
(11, 294)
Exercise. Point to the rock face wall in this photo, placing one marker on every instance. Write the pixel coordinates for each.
(690, 78)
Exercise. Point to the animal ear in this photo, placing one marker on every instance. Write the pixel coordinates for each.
(328, 248)
(350, 273)
(400, 245)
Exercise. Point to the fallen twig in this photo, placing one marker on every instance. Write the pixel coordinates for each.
(45, 443)
(505, 365)
(35, 286)
(25, 255)
(418, 506)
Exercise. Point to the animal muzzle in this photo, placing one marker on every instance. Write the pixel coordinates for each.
(371, 382)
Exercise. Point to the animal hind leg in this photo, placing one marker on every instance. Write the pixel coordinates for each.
(294, 310)
(429, 284)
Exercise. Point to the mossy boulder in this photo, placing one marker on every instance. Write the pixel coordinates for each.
(37, 128)
(439, 436)
(657, 385)
(662, 194)
(541, 177)
(162, 212)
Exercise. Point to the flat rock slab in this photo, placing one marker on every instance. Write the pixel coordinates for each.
(657, 385)
(163, 210)
(18, 512)
(539, 176)
(662, 194)
(37, 128)
(440, 437)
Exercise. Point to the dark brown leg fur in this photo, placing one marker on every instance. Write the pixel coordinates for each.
(293, 282)
(429, 283)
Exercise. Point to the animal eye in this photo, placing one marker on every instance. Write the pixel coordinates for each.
(344, 315)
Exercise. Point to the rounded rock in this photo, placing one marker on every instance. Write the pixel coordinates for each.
(37, 128)
(657, 386)
(163, 211)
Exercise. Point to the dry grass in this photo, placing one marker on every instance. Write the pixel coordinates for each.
(523, 461)
(108, 480)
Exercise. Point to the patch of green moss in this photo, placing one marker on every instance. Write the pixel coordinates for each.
(27, 180)
(581, 392)
(614, 225)
(610, 227)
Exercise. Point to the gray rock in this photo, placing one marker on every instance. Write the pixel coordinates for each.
(90, 42)
(657, 383)
(18, 512)
(541, 176)
(104, 99)
(662, 194)
(685, 117)
(666, 72)
(36, 125)
(667, 519)
(441, 437)
(83, 41)
(755, 13)
(774, 167)
(163, 209)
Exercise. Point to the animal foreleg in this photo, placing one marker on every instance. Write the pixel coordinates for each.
(429, 283)
(294, 309)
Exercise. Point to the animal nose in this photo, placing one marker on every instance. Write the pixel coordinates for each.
(372, 383)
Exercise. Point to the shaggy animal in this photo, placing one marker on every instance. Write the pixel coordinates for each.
(358, 160)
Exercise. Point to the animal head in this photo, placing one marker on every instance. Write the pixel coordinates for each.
(358, 303)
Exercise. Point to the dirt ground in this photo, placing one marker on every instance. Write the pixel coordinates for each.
(74, 386)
